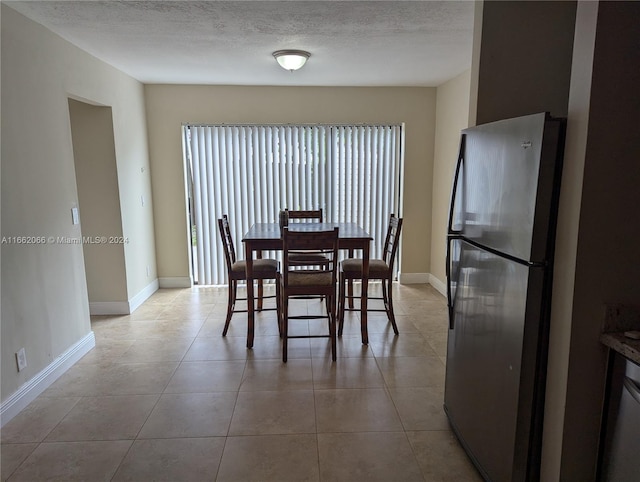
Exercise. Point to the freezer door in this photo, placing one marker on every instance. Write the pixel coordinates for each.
(507, 187)
(491, 360)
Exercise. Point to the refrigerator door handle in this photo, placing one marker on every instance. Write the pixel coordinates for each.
(454, 189)
(450, 300)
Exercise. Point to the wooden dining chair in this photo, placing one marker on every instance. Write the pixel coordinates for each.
(314, 215)
(298, 281)
(379, 269)
(263, 269)
(308, 257)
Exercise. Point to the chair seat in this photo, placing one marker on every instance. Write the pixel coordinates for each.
(352, 268)
(262, 268)
(307, 259)
(310, 278)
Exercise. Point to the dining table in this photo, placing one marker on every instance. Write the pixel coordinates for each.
(268, 237)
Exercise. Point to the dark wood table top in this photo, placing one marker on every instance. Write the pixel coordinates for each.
(271, 231)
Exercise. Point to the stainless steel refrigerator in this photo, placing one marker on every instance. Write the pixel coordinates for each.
(500, 246)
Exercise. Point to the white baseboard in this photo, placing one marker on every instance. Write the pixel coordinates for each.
(109, 308)
(43, 380)
(175, 282)
(123, 307)
(142, 296)
(440, 286)
(413, 278)
(423, 278)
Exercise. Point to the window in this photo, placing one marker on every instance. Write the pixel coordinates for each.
(251, 172)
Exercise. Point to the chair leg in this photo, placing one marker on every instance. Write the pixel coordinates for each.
(327, 307)
(285, 327)
(260, 295)
(341, 302)
(231, 301)
(350, 293)
(350, 290)
(278, 307)
(387, 296)
(332, 327)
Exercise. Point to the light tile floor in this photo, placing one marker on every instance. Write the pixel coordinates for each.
(163, 396)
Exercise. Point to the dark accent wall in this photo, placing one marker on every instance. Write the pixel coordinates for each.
(525, 58)
(608, 254)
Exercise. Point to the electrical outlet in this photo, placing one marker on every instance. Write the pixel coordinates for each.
(148, 271)
(21, 359)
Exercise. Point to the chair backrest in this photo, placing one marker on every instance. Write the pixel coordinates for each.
(227, 241)
(310, 243)
(310, 215)
(391, 241)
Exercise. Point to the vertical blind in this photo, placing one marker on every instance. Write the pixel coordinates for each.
(250, 173)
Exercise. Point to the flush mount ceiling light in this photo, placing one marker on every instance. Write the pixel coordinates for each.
(291, 59)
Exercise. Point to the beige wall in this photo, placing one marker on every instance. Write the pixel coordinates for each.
(567, 240)
(452, 115)
(98, 197)
(168, 106)
(44, 292)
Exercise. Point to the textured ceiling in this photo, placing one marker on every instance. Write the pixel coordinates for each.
(352, 43)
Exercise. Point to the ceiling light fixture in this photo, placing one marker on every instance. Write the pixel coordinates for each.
(291, 59)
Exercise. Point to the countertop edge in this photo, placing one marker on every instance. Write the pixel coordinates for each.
(627, 347)
(619, 318)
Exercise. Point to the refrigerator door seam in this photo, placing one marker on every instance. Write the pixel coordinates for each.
(502, 254)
